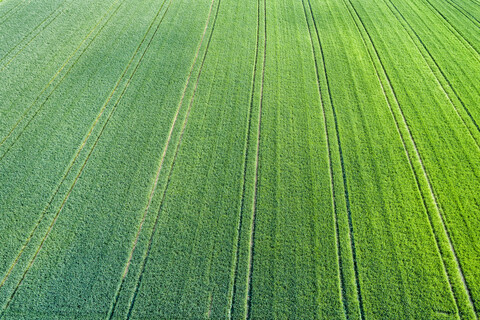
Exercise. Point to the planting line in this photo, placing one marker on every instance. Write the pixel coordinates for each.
(347, 199)
(68, 169)
(397, 126)
(92, 148)
(236, 252)
(204, 203)
(157, 218)
(341, 275)
(32, 31)
(59, 71)
(442, 220)
(435, 75)
(159, 169)
(55, 192)
(455, 31)
(12, 9)
(249, 286)
(150, 242)
(210, 300)
(465, 13)
(420, 161)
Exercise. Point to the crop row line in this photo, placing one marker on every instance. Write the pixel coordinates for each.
(54, 193)
(159, 169)
(455, 30)
(12, 10)
(473, 120)
(248, 298)
(465, 13)
(437, 205)
(338, 253)
(417, 155)
(45, 21)
(42, 104)
(437, 67)
(91, 150)
(351, 236)
(236, 253)
(397, 126)
(177, 147)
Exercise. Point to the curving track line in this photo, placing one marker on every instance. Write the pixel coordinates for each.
(236, 252)
(376, 57)
(465, 13)
(341, 274)
(149, 246)
(88, 156)
(48, 205)
(45, 21)
(437, 206)
(455, 31)
(437, 67)
(62, 78)
(159, 169)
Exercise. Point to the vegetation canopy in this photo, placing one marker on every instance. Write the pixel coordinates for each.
(261, 159)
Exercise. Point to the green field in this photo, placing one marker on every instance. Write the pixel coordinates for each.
(260, 159)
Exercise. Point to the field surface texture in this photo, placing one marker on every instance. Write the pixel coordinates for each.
(225, 159)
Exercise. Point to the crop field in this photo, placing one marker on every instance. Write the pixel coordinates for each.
(260, 159)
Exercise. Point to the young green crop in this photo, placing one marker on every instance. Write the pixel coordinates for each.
(239, 159)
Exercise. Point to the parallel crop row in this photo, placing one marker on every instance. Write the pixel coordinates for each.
(255, 159)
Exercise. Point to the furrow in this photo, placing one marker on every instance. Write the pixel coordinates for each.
(454, 30)
(109, 11)
(344, 178)
(236, 253)
(251, 253)
(52, 197)
(45, 21)
(422, 167)
(92, 148)
(9, 12)
(160, 166)
(157, 218)
(437, 67)
(328, 147)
